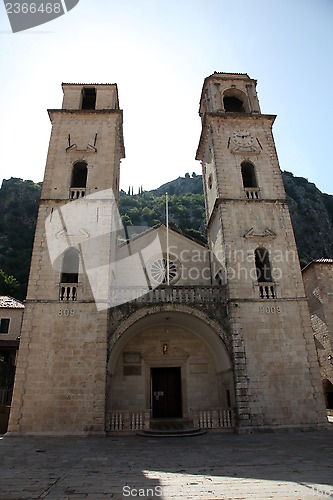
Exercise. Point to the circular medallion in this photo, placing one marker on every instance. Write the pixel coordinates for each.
(157, 271)
(243, 138)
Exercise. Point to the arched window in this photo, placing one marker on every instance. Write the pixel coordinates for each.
(220, 277)
(69, 275)
(233, 105)
(328, 392)
(248, 175)
(79, 175)
(249, 180)
(267, 289)
(70, 266)
(263, 266)
(235, 101)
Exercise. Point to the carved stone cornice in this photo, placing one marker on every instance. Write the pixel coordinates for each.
(74, 149)
(267, 234)
(248, 150)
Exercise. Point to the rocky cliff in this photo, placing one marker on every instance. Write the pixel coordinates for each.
(311, 215)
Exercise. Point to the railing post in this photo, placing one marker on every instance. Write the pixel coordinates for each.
(230, 417)
(146, 422)
(127, 424)
(215, 419)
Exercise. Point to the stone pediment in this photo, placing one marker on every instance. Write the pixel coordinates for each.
(252, 150)
(266, 234)
(64, 233)
(74, 148)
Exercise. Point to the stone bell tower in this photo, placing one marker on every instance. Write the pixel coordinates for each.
(276, 373)
(61, 370)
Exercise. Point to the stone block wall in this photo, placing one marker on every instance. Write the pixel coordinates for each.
(61, 374)
(277, 380)
(106, 96)
(235, 240)
(82, 131)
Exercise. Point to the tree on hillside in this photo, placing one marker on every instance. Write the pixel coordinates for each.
(8, 285)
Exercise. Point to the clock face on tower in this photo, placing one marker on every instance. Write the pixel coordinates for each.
(243, 138)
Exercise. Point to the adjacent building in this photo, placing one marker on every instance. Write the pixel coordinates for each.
(11, 312)
(318, 283)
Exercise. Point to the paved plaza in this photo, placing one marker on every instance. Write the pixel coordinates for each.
(296, 465)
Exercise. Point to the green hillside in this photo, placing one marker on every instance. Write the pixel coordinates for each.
(311, 214)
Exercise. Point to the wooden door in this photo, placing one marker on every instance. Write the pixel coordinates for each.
(166, 392)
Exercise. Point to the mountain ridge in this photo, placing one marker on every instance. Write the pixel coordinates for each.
(311, 215)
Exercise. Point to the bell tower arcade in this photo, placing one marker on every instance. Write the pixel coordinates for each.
(254, 256)
(60, 381)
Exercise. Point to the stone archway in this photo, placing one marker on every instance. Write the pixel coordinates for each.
(168, 340)
(328, 393)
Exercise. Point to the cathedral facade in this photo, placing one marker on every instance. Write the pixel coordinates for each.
(122, 332)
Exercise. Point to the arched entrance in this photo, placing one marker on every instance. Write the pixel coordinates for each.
(168, 364)
(328, 392)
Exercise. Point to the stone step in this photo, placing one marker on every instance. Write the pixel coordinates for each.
(175, 432)
(172, 427)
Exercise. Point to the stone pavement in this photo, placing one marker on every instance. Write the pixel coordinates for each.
(297, 465)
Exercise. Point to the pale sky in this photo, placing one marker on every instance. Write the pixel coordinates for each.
(159, 52)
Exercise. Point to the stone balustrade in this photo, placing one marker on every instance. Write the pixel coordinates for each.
(75, 193)
(214, 418)
(118, 421)
(267, 290)
(127, 421)
(196, 294)
(68, 291)
(252, 193)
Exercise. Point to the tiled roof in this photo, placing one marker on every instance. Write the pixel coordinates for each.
(318, 261)
(102, 84)
(10, 303)
(229, 74)
(171, 229)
